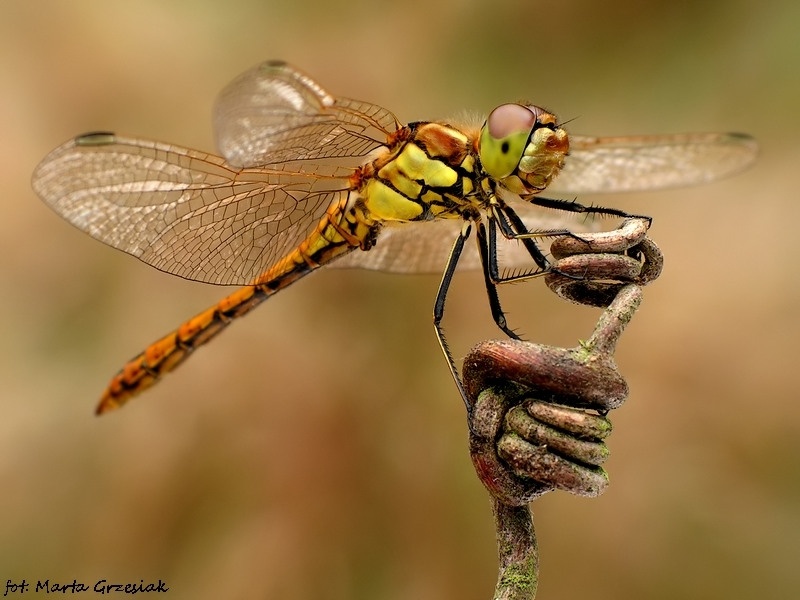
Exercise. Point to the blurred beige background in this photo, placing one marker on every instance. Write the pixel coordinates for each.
(318, 448)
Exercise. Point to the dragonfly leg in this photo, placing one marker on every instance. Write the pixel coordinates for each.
(513, 228)
(576, 207)
(438, 309)
(487, 246)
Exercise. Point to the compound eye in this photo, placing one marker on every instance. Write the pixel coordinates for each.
(508, 119)
(504, 137)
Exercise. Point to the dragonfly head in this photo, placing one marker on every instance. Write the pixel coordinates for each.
(522, 147)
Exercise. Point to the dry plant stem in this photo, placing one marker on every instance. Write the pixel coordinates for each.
(519, 557)
(538, 412)
(585, 376)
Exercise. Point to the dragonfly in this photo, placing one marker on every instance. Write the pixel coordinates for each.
(307, 179)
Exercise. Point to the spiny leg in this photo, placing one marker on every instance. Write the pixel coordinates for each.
(438, 309)
(576, 207)
(513, 228)
(488, 252)
(572, 206)
(487, 246)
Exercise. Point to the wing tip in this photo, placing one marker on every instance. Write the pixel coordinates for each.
(749, 150)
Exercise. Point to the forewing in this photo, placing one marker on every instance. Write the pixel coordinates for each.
(274, 113)
(624, 164)
(184, 212)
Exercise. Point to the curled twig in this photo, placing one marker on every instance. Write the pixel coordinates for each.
(593, 268)
(538, 420)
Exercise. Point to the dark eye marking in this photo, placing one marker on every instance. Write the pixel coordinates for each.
(504, 148)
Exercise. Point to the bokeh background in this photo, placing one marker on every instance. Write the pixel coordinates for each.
(318, 448)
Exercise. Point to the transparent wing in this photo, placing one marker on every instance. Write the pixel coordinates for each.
(274, 113)
(606, 164)
(197, 216)
(185, 212)
(623, 164)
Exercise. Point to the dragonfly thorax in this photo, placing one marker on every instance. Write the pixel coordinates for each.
(428, 172)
